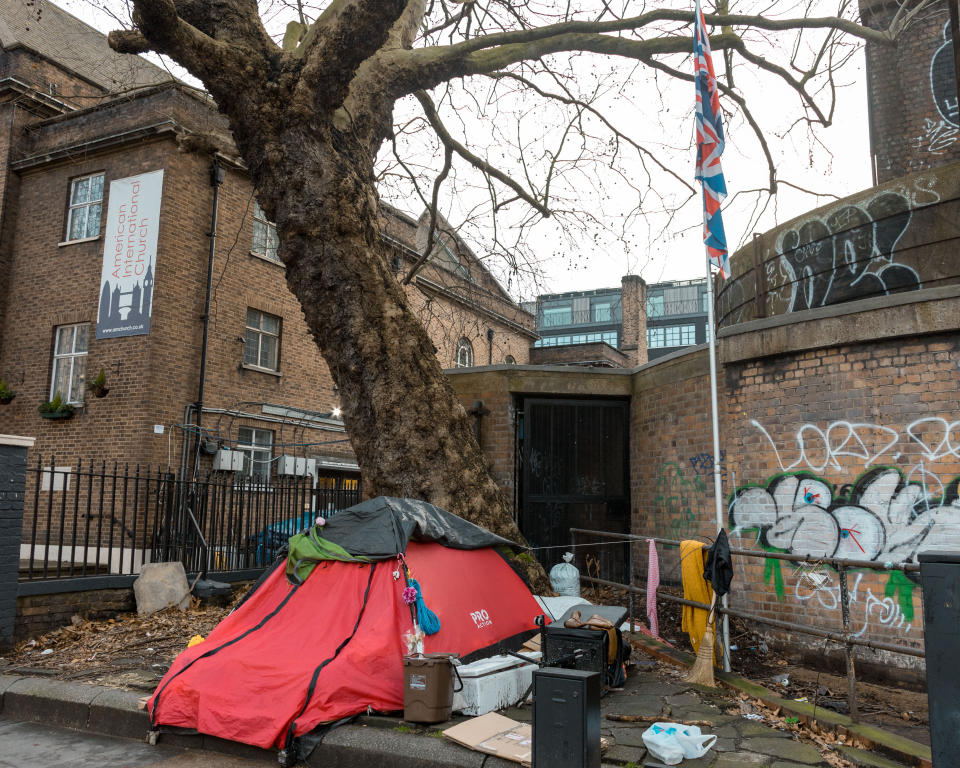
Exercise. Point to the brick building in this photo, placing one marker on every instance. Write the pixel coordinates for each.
(620, 327)
(84, 125)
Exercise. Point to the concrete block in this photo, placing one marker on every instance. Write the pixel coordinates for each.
(161, 585)
(5, 682)
(115, 713)
(49, 701)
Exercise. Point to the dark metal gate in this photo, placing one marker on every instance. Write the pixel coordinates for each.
(573, 473)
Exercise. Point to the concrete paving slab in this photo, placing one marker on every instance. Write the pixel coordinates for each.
(706, 761)
(751, 728)
(628, 737)
(49, 701)
(645, 705)
(725, 745)
(740, 759)
(785, 749)
(623, 755)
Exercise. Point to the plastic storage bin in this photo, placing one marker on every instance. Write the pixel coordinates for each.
(428, 687)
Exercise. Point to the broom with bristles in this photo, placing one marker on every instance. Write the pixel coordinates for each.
(701, 672)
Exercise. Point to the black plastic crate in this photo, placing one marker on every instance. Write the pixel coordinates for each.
(566, 648)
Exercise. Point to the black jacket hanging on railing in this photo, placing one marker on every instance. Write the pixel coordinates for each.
(718, 568)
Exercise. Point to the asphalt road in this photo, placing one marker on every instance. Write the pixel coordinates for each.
(33, 745)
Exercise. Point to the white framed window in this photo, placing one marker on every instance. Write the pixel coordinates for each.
(681, 335)
(262, 346)
(265, 243)
(257, 448)
(671, 336)
(464, 353)
(70, 363)
(86, 203)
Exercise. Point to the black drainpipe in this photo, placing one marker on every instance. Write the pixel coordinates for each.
(217, 175)
(489, 346)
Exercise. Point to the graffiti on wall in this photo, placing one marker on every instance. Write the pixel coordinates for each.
(940, 133)
(893, 610)
(931, 439)
(885, 514)
(702, 464)
(680, 496)
(879, 517)
(943, 85)
(676, 504)
(848, 255)
(845, 253)
(937, 136)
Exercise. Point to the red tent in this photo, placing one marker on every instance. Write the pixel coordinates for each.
(295, 656)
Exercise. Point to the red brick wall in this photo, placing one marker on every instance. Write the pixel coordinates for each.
(910, 133)
(853, 450)
(671, 472)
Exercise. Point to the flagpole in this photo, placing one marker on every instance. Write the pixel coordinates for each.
(709, 148)
(717, 488)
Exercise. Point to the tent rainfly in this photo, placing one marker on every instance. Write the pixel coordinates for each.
(327, 642)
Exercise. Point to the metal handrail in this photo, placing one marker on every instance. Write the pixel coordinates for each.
(840, 564)
(836, 561)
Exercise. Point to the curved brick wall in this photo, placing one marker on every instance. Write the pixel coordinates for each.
(840, 437)
(898, 237)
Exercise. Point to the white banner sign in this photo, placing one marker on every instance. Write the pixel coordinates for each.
(129, 256)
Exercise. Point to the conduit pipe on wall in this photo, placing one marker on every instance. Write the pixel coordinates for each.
(217, 176)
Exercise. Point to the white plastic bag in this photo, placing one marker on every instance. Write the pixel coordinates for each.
(672, 742)
(565, 578)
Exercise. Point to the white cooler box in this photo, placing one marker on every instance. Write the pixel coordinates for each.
(492, 684)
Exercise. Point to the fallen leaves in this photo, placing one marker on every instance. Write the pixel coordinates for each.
(128, 651)
(826, 740)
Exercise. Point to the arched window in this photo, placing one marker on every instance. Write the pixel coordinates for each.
(464, 353)
(509, 360)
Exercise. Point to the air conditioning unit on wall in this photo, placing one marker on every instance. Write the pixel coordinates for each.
(226, 460)
(296, 465)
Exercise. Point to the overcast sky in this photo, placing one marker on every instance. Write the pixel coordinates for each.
(656, 247)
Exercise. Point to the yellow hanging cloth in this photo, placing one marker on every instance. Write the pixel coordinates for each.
(695, 587)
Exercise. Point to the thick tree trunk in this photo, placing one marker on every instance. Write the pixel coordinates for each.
(308, 127)
(410, 433)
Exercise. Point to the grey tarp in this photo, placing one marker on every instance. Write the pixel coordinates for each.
(380, 528)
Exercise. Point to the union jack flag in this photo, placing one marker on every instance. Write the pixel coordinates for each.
(709, 146)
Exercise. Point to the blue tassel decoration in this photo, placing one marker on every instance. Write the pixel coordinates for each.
(426, 618)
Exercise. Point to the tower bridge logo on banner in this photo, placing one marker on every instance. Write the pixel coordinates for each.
(129, 256)
(481, 618)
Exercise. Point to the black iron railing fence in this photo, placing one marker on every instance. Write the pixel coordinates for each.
(97, 519)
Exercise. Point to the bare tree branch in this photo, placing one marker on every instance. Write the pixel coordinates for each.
(432, 230)
(431, 112)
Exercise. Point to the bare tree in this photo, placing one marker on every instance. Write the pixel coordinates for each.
(310, 115)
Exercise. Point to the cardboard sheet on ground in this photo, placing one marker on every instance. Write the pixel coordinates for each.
(496, 735)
